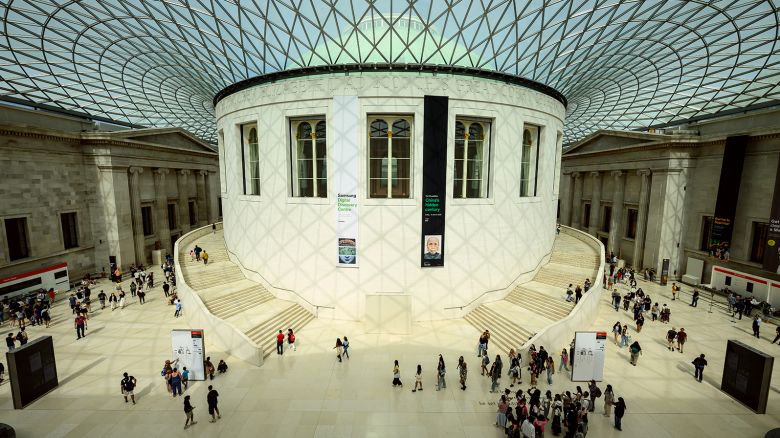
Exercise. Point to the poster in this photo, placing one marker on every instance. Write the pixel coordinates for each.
(771, 261)
(434, 180)
(664, 272)
(345, 122)
(728, 194)
(187, 346)
(589, 351)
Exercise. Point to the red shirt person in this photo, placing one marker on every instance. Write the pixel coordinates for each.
(280, 343)
(81, 325)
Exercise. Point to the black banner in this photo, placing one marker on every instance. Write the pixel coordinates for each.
(728, 194)
(664, 272)
(772, 245)
(434, 187)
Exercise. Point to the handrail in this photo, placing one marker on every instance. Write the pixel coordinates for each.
(499, 289)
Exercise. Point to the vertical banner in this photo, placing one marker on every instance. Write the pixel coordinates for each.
(344, 131)
(589, 350)
(771, 260)
(664, 272)
(188, 349)
(434, 187)
(728, 193)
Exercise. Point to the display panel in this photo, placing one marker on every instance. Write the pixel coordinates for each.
(747, 375)
(188, 349)
(33, 371)
(589, 350)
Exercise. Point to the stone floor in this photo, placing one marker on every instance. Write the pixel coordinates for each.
(308, 393)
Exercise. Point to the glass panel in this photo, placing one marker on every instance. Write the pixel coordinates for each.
(401, 188)
(401, 147)
(322, 171)
(458, 170)
(401, 128)
(322, 188)
(253, 135)
(476, 132)
(458, 188)
(378, 148)
(305, 187)
(321, 148)
(304, 169)
(459, 149)
(304, 149)
(378, 188)
(320, 130)
(304, 131)
(460, 131)
(378, 128)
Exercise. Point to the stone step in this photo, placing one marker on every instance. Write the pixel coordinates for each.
(266, 330)
(296, 322)
(238, 302)
(550, 301)
(504, 334)
(207, 277)
(540, 303)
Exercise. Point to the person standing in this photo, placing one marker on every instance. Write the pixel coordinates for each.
(112, 301)
(463, 371)
(102, 300)
(671, 335)
(595, 392)
(624, 336)
(640, 321)
(681, 338)
(620, 410)
(81, 326)
(616, 299)
(175, 382)
(695, 300)
(339, 348)
(441, 370)
(133, 288)
(290, 340)
(617, 329)
(213, 228)
(209, 368)
(756, 326)
(141, 296)
(564, 361)
(205, 257)
(550, 366)
(495, 373)
(609, 400)
(121, 299)
(418, 378)
(166, 287)
(345, 344)
(485, 363)
(280, 344)
(212, 400)
(127, 385)
(177, 307)
(10, 342)
(396, 373)
(699, 363)
(675, 288)
(636, 351)
(188, 408)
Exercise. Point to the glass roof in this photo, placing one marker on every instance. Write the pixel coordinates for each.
(620, 64)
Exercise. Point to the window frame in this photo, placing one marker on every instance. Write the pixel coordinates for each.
(704, 239)
(629, 227)
(294, 124)
(192, 212)
(586, 206)
(528, 186)
(173, 220)
(606, 219)
(28, 251)
(486, 152)
(151, 221)
(390, 120)
(756, 254)
(76, 230)
(251, 182)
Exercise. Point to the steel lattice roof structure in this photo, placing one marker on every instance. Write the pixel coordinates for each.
(620, 64)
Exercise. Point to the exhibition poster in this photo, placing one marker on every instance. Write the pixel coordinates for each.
(188, 349)
(589, 350)
(345, 124)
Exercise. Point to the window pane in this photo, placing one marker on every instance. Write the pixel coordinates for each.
(322, 188)
(378, 188)
(320, 130)
(401, 147)
(378, 148)
(304, 148)
(458, 170)
(401, 128)
(16, 236)
(305, 187)
(460, 131)
(378, 128)
(321, 149)
(322, 171)
(401, 188)
(304, 131)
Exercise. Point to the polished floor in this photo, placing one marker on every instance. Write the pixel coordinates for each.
(308, 393)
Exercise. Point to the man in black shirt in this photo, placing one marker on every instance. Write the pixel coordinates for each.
(699, 363)
(778, 335)
(10, 342)
(211, 399)
(128, 385)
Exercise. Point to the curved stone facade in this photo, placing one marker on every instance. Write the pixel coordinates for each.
(284, 227)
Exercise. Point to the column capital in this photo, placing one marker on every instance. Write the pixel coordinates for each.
(184, 172)
(135, 169)
(595, 173)
(204, 172)
(576, 175)
(617, 173)
(161, 171)
(643, 172)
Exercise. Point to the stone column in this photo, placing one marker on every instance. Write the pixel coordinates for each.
(641, 221)
(565, 198)
(616, 221)
(138, 222)
(202, 202)
(595, 204)
(210, 216)
(576, 210)
(161, 205)
(184, 206)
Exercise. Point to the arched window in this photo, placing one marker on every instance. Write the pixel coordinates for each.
(528, 160)
(390, 157)
(250, 152)
(309, 156)
(472, 150)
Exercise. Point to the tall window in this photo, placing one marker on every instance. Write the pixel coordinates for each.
(146, 216)
(706, 230)
(472, 159)
(586, 216)
(760, 230)
(390, 157)
(193, 213)
(528, 160)
(606, 218)
(251, 151)
(632, 217)
(16, 236)
(309, 159)
(172, 217)
(70, 230)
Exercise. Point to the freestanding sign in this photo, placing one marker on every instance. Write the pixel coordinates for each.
(188, 348)
(589, 350)
(32, 369)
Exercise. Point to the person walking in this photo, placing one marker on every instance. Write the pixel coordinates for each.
(695, 299)
(133, 288)
(682, 336)
(640, 321)
(441, 370)
(671, 335)
(175, 381)
(205, 257)
(339, 348)
(166, 287)
(10, 342)
(777, 330)
(463, 372)
(121, 299)
(177, 306)
(208, 367)
(624, 336)
(617, 329)
(620, 410)
(112, 301)
(636, 351)
(290, 339)
(483, 341)
(550, 366)
(213, 228)
(396, 373)
(616, 299)
(127, 386)
(188, 408)
(756, 326)
(699, 363)
(81, 326)
(102, 300)
(609, 400)
(495, 373)
(280, 344)
(564, 361)
(345, 344)
(485, 363)
(595, 392)
(418, 379)
(141, 297)
(212, 400)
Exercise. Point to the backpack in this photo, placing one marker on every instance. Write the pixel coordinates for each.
(597, 392)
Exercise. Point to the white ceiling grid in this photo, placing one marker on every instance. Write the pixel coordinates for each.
(620, 64)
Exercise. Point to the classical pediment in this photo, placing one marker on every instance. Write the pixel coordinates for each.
(176, 138)
(610, 140)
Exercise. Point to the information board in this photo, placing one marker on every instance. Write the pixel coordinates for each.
(188, 349)
(33, 371)
(589, 351)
